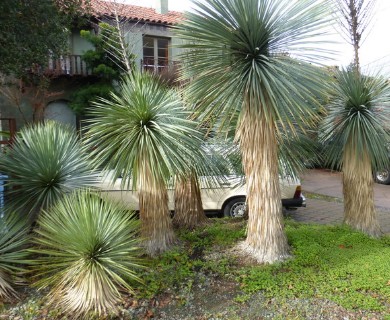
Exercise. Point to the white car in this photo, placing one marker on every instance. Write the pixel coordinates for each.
(227, 199)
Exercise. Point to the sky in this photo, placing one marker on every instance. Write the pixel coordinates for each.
(375, 49)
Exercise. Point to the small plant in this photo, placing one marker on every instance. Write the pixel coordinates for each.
(88, 251)
(171, 269)
(13, 253)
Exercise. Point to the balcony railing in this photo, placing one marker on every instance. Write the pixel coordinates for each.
(167, 70)
(71, 65)
(159, 65)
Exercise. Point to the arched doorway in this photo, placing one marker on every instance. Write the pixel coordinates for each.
(60, 111)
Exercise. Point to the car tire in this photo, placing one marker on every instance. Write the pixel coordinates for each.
(383, 176)
(235, 208)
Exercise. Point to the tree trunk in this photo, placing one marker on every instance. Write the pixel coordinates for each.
(266, 240)
(358, 189)
(38, 111)
(156, 223)
(188, 203)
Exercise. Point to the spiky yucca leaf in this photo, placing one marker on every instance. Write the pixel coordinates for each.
(13, 254)
(144, 127)
(46, 161)
(226, 60)
(88, 251)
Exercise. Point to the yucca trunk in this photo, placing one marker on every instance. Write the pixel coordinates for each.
(156, 223)
(188, 202)
(265, 241)
(358, 189)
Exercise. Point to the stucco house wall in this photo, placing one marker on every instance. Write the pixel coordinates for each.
(142, 22)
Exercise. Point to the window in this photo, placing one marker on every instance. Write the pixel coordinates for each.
(155, 53)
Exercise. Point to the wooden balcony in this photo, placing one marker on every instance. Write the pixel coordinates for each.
(71, 65)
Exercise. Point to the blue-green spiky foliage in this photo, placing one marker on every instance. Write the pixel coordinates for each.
(46, 161)
(87, 251)
(358, 113)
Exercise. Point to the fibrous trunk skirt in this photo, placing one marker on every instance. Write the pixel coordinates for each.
(266, 240)
(358, 189)
(188, 203)
(156, 223)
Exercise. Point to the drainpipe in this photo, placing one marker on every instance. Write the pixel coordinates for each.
(162, 6)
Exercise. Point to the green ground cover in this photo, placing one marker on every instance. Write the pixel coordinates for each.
(329, 262)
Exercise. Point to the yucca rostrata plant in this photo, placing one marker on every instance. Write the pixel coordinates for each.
(46, 161)
(143, 135)
(230, 66)
(88, 252)
(355, 134)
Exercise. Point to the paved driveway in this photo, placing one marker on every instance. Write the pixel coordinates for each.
(328, 183)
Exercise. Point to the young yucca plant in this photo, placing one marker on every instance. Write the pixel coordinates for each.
(88, 251)
(143, 134)
(13, 254)
(46, 161)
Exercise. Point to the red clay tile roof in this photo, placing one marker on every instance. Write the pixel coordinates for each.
(135, 13)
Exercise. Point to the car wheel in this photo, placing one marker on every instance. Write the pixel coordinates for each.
(383, 176)
(235, 208)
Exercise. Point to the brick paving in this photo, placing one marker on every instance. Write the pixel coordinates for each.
(328, 208)
(331, 212)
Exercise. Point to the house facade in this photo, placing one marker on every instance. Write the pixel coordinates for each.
(148, 32)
